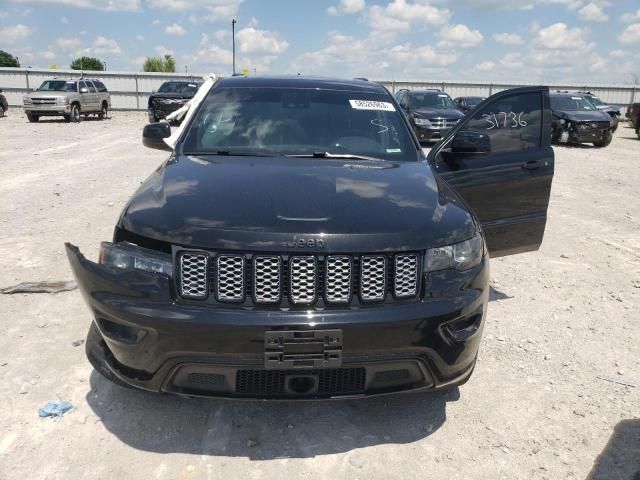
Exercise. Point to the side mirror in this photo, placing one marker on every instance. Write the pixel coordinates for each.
(154, 134)
(471, 142)
(84, 90)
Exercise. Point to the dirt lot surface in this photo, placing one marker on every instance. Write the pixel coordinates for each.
(543, 403)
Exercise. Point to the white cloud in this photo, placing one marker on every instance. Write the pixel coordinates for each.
(485, 66)
(48, 55)
(105, 46)
(592, 13)
(139, 37)
(346, 7)
(175, 29)
(162, 50)
(399, 15)
(216, 10)
(459, 36)
(631, 17)
(251, 40)
(631, 34)
(68, 43)
(64, 20)
(513, 61)
(10, 35)
(3, 14)
(508, 38)
(221, 35)
(253, 22)
(618, 53)
(110, 5)
(558, 36)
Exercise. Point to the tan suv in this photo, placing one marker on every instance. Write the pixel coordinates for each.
(70, 98)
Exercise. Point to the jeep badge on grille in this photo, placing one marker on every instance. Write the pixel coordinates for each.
(306, 242)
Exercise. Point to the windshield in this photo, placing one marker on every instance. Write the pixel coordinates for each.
(431, 100)
(186, 88)
(475, 101)
(595, 100)
(571, 103)
(297, 121)
(58, 86)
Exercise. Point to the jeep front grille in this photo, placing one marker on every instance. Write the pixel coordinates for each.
(298, 280)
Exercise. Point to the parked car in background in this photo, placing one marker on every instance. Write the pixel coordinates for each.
(633, 114)
(431, 112)
(4, 105)
(576, 120)
(612, 110)
(170, 97)
(298, 243)
(466, 104)
(69, 98)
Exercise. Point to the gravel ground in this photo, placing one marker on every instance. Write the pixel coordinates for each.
(543, 403)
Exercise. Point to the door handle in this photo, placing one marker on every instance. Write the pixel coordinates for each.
(532, 165)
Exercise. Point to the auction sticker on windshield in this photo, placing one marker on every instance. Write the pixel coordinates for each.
(372, 105)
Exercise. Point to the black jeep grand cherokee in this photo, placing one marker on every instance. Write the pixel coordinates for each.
(170, 97)
(576, 120)
(297, 243)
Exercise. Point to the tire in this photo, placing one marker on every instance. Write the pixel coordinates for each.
(32, 118)
(103, 111)
(604, 142)
(74, 114)
(1, 111)
(153, 118)
(94, 340)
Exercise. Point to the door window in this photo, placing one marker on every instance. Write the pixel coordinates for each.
(511, 123)
(90, 86)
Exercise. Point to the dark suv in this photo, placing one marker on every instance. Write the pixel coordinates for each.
(467, 104)
(633, 115)
(298, 243)
(170, 97)
(431, 113)
(576, 120)
(612, 110)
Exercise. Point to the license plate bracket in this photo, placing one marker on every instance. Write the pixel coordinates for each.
(303, 349)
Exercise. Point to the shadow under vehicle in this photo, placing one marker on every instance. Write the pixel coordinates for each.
(297, 243)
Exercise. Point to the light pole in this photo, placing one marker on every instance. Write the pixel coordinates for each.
(233, 43)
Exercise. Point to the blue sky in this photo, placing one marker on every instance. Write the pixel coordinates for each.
(552, 40)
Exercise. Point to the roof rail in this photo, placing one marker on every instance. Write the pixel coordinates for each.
(362, 78)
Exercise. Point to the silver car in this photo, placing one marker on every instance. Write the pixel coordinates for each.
(70, 98)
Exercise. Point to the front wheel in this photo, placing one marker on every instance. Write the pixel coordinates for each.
(1, 111)
(103, 112)
(74, 115)
(32, 118)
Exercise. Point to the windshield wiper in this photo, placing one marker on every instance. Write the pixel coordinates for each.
(231, 153)
(349, 156)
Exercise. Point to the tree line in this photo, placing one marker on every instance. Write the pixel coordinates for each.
(151, 64)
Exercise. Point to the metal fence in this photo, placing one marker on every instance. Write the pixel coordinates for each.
(130, 90)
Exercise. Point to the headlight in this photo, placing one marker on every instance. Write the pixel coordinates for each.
(460, 256)
(583, 126)
(26, 100)
(127, 256)
(423, 122)
(62, 101)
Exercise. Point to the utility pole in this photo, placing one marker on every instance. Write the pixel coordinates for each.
(233, 43)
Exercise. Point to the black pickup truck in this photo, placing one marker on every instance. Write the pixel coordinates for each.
(170, 97)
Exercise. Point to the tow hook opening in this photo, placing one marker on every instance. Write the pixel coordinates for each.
(301, 384)
(464, 328)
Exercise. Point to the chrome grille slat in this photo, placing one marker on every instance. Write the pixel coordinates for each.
(267, 284)
(193, 279)
(230, 278)
(274, 279)
(338, 279)
(303, 279)
(405, 275)
(373, 278)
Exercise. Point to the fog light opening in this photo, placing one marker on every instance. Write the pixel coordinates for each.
(301, 385)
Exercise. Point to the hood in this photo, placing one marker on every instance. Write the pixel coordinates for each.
(263, 203)
(446, 113)
(583, 116)
(609, 108)
(162, 95)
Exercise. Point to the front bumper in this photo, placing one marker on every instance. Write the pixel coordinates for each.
(430, 134)
(52, 109)
(153, 342)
